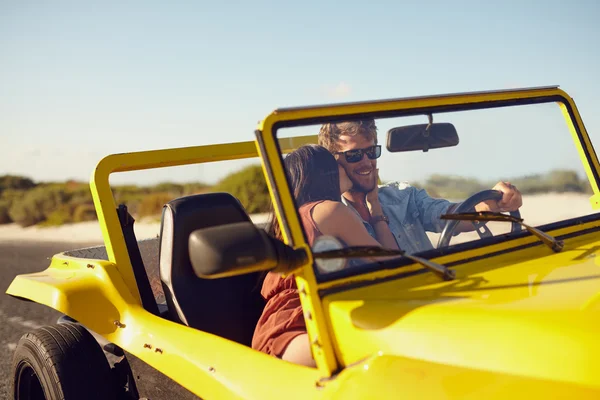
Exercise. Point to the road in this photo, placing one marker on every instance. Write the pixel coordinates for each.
(17, 316)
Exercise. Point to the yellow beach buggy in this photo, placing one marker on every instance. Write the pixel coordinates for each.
(509, 309)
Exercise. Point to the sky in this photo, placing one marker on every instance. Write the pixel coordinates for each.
(81, 80)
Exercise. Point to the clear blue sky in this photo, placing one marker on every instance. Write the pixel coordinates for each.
(80, 81)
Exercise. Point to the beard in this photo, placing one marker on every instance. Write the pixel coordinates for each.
(362, 187)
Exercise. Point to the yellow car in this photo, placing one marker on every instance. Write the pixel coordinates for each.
(507, 309)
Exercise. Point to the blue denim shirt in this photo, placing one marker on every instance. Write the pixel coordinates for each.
(411, 212)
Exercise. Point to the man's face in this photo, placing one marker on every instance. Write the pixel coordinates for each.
(362, 173)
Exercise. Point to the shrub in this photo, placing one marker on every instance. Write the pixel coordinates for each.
(80, 195)
(7, 198)
(167, 187)
(126, 193)
(26, 203)
(566, 181)
(452, 187)
(152, 204)
(129, 195)
(12, 195)
(195, 188)
(249, 186)
(4, 217)
(84, 212)
(60, 216)
(37, 204)
(532, 184)
(15, 182)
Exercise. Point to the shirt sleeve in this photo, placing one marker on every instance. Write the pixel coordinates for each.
(430, 210)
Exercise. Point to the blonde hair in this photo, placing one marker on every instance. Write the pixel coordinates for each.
(330, 133)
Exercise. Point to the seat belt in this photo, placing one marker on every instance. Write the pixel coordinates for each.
(139, 271)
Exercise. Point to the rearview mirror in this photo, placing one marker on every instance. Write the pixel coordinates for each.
(421, 137)
(238, 249)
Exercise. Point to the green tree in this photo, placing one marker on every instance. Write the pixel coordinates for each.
(249, 186)
(15, 182)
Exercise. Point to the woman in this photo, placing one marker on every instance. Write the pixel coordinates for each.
(317, 182)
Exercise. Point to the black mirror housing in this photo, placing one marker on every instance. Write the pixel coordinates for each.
(237, 249)
(421, 137)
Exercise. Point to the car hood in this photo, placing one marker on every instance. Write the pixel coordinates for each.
(529, 313)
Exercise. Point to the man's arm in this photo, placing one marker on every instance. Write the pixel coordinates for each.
(511, 201)
(462, 226)
(431, 209)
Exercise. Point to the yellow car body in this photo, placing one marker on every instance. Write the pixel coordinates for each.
(518, 321)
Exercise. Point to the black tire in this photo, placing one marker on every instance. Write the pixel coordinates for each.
(60, 362)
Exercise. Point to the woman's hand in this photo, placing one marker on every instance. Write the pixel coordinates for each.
(373, 198)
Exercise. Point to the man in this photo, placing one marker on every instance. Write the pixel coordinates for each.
(409, 211)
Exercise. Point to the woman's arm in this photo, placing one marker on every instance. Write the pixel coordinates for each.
(382, 228)
(335, 219)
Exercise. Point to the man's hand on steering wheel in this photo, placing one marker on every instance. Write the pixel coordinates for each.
(511, 199)
(503, 198)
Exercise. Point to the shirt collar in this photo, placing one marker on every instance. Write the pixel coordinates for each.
(347, 203)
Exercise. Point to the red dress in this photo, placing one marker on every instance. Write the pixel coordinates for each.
(282, 319)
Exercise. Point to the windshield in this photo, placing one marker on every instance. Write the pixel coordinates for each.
(389, 181)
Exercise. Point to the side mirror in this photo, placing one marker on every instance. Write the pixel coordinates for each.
(421, 137)
(238, 249)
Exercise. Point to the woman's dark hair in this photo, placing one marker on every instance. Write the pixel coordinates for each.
(312, 172)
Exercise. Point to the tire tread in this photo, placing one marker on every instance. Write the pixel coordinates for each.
(71, 363)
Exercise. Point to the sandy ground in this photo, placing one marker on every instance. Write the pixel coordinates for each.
(536, 210)
(82, 232)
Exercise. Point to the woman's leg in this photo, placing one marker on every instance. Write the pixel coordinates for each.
(298, 351)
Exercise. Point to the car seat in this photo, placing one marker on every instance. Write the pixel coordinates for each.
(227, 307)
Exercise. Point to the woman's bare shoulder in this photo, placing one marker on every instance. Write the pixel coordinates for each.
(336, 219)
(331, 207)
(328, 204)
(334, 212)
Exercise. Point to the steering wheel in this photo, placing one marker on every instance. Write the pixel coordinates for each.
(480, 227)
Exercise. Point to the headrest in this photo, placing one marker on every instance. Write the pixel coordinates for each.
(180, 218)
(184, 215)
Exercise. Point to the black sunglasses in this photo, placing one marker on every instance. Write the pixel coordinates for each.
(354, 156)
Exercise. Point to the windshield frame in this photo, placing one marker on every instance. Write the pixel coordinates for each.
(298, 116)
(313, 288)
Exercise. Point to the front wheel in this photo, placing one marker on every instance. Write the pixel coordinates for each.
(61, 361)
